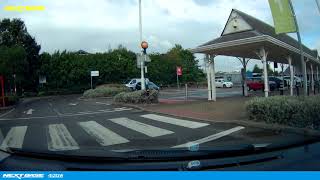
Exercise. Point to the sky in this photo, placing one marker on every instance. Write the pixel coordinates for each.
(97, 25)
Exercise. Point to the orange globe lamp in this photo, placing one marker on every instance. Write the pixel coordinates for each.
(144, 45)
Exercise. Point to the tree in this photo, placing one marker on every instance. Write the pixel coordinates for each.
(14, 33)
(256, 69)
(12, 63)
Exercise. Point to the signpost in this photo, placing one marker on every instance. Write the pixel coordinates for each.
(179, 73)
(94, 74)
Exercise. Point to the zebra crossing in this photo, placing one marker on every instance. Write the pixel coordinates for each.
(60, 138)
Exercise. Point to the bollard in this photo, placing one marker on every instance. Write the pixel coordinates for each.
(297, 89)
(186, 85)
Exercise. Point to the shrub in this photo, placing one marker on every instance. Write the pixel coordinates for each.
(105, 91)
(9, 100)
(302, 112)
(137, 97)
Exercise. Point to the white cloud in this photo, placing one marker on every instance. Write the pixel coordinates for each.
(93, 25)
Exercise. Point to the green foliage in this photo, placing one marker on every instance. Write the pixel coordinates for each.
(10, 100)
(256, 69)
(14, 34)
(137, 97)
(105, 91)
(68, 72)
(162, 68)
(302, 112)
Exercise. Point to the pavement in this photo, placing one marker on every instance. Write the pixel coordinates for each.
(198, 93)
(68, 124)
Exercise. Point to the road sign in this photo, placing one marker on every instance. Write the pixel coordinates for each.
(179, 71)
(143, 58)
(42, 79)
(94, 73)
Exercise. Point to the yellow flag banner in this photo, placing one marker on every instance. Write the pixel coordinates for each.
(284, 21)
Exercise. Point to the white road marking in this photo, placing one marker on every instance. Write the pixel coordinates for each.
(146, 129)
(175, 121)
(2, 115)
(211, 138)
(103, 135)
(1, 136)
(67, 115)
(60, 139)
(29, 112)
(107, 104)
(73, 104)
(14, 138)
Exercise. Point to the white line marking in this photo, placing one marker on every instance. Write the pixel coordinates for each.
(103, 103)
(60, 139)
(73, 104)
(210, 138)
(14, 138)
(1, 136)
(175, 121)
(67, 115)
(146, 129)
(2, 115)
(29, 112)
(103, 135)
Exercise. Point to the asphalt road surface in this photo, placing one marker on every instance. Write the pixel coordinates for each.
(68, 124)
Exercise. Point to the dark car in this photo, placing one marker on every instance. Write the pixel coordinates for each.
(278, 82)
(149, 85)
(152, 85)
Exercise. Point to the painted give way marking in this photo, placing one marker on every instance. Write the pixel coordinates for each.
(210, 138)
(102, 135)
(143, 128)
(175, 121)
(14, 138)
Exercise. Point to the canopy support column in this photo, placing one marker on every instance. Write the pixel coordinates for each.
(305, 77)
(312, 78)
(208, 77)
(213, 78)
(263, 56)
(291, 75)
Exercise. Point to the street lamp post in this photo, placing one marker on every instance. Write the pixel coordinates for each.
(144, 46)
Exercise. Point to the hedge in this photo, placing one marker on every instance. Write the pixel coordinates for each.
(301, 112)
(137, 97)
(105, 91)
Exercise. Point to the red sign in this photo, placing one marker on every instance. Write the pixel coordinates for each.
(179, 71)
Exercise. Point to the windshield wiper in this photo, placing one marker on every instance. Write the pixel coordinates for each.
(139, 155)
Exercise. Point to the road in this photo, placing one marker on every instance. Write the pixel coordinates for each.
(69, 124)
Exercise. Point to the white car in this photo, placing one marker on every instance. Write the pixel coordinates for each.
(132, 83)
(221, 83)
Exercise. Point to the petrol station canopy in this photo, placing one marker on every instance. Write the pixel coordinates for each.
(243, 36)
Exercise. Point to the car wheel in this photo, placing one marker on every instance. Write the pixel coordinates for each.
(224, 86)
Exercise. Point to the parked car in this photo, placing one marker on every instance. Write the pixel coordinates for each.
(221, 83)
(257, 83)
(278, 81)
(296, 80)
(152, 85)
(132, 83)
